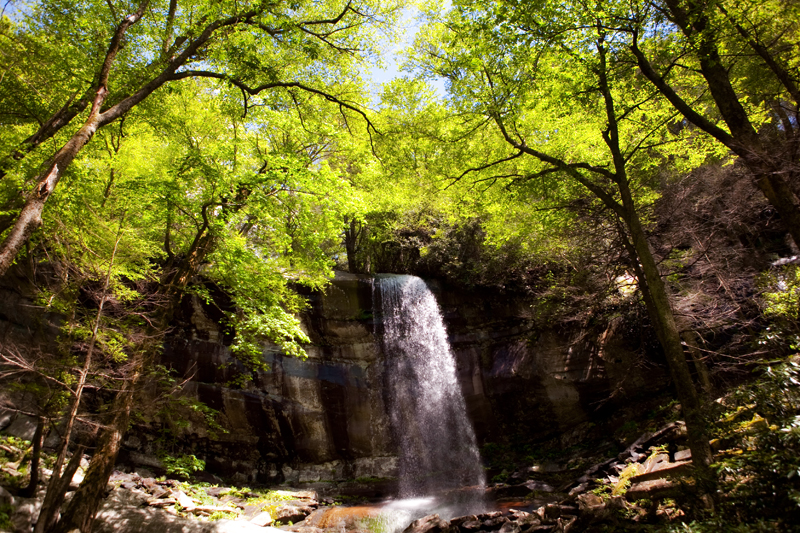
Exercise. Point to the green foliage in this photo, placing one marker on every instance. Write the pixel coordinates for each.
(781, 305)
(183, 465)
(222, 515)
(760, 429)
(6, 511)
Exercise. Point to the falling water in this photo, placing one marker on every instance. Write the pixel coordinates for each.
(436, 442)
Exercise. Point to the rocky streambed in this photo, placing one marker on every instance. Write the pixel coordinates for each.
(636, 485)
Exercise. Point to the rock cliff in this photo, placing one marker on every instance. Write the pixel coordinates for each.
(324, 418)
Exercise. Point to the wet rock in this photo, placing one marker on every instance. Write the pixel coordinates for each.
(538, 486)
(510, 491)
(470, 525)
(457, 521)
(428, 524)
(493, 523)
(510, 527)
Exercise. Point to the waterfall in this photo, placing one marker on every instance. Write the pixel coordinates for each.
(436, 442)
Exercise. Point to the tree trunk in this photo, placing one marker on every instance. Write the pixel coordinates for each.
(58, 120)
(55, 493)
(351, 234)
(670, 339)
(84, 505)
(30, 490)
(30, 218)
(781, 196)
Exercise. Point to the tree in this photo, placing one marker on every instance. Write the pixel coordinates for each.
(730, 69)
(545, 79)
(256, 48)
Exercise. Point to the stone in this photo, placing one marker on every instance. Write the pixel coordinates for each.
(129, 497)
(160, 492)
(538, 486)
(655, 462)
(6, 417)
(162, 502)
(581, 487)
(665, 470)
(457, 521)
(511, 491)
(683, 455)
(290, 513)
(262, 519)
(208, 509)
(6, 498)
(551, 511)
(23, 427)
(144, 473)
(510, 527)
(590, 503)
(494, 523)
(308, 529)
(183, 500)
(428, 524)
(25, 514)
(653, 489)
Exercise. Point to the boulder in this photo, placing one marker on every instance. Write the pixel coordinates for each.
(262, 519)
(428, 524)
(25, 514)
(23, 427)
(291, 513)
(493, 523)
(510, 527)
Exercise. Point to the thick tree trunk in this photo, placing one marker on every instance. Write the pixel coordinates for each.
(30, 218)
(84, 505)
(670, 339)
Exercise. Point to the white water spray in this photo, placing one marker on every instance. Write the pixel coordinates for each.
(437, 446)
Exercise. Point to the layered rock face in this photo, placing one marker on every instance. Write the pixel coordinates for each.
(325, 418)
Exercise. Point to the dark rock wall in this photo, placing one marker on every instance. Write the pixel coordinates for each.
(324, 418)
